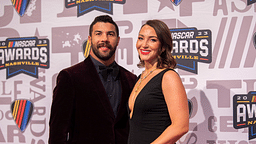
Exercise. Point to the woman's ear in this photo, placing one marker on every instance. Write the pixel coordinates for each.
(162, 49)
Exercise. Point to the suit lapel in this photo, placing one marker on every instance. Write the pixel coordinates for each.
(125, 94)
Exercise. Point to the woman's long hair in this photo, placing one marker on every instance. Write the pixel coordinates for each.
(165, 58)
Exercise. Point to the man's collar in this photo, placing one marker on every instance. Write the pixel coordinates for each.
(98, 64)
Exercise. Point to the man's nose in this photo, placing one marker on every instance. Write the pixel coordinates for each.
(104, 38)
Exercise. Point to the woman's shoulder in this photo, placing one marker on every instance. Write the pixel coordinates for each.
(171, 75)
(170, 72)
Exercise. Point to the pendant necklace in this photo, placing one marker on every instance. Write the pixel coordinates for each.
(142, 78)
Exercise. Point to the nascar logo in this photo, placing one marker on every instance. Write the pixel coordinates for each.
(24, 55)
(176, 2)
(20, 6)
(85, 6)
(244, 109)
(21, 112)
(191, 46)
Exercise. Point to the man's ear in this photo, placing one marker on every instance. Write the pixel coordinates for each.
(118, 41)
(89, 39)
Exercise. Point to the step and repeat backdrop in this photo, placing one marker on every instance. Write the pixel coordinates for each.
(214, 44)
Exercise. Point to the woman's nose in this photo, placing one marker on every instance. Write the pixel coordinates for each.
(145, 44)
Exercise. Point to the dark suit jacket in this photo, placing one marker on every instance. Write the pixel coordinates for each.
(81, 112)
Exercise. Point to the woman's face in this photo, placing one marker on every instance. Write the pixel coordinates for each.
(148, 44)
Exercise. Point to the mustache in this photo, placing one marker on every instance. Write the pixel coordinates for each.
(104, 45)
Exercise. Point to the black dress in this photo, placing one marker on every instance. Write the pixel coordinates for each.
(150, 114)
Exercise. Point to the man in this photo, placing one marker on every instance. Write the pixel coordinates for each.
(90, 104)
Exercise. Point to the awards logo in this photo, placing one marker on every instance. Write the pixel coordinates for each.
(191, 46)
(244, 112)
(249, 2)
(85, 6)
(24, 55)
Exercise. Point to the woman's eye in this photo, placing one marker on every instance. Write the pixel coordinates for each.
(153, 40)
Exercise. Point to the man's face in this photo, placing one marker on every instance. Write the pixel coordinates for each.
(104, 41)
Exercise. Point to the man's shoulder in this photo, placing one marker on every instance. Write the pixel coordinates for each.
(75, 66)
(81, 66)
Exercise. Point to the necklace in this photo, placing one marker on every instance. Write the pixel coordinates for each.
(137, 88)
(142, 78)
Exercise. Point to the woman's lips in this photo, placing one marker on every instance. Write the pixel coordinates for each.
(144, 52)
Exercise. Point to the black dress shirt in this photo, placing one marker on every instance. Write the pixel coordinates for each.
(111, 83)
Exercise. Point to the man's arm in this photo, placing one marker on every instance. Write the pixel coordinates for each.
(61, 110)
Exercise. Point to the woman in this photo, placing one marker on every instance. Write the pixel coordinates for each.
(158, 104)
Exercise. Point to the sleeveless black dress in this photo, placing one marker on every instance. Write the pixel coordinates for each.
(150, 114)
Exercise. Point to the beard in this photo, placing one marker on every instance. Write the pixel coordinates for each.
(103, 56)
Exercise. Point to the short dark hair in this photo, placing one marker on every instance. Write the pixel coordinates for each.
(165, 58)
(105, 19)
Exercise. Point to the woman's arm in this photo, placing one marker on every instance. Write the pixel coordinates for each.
(177, 103)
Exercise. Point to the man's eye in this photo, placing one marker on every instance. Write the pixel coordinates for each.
(140, 38)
